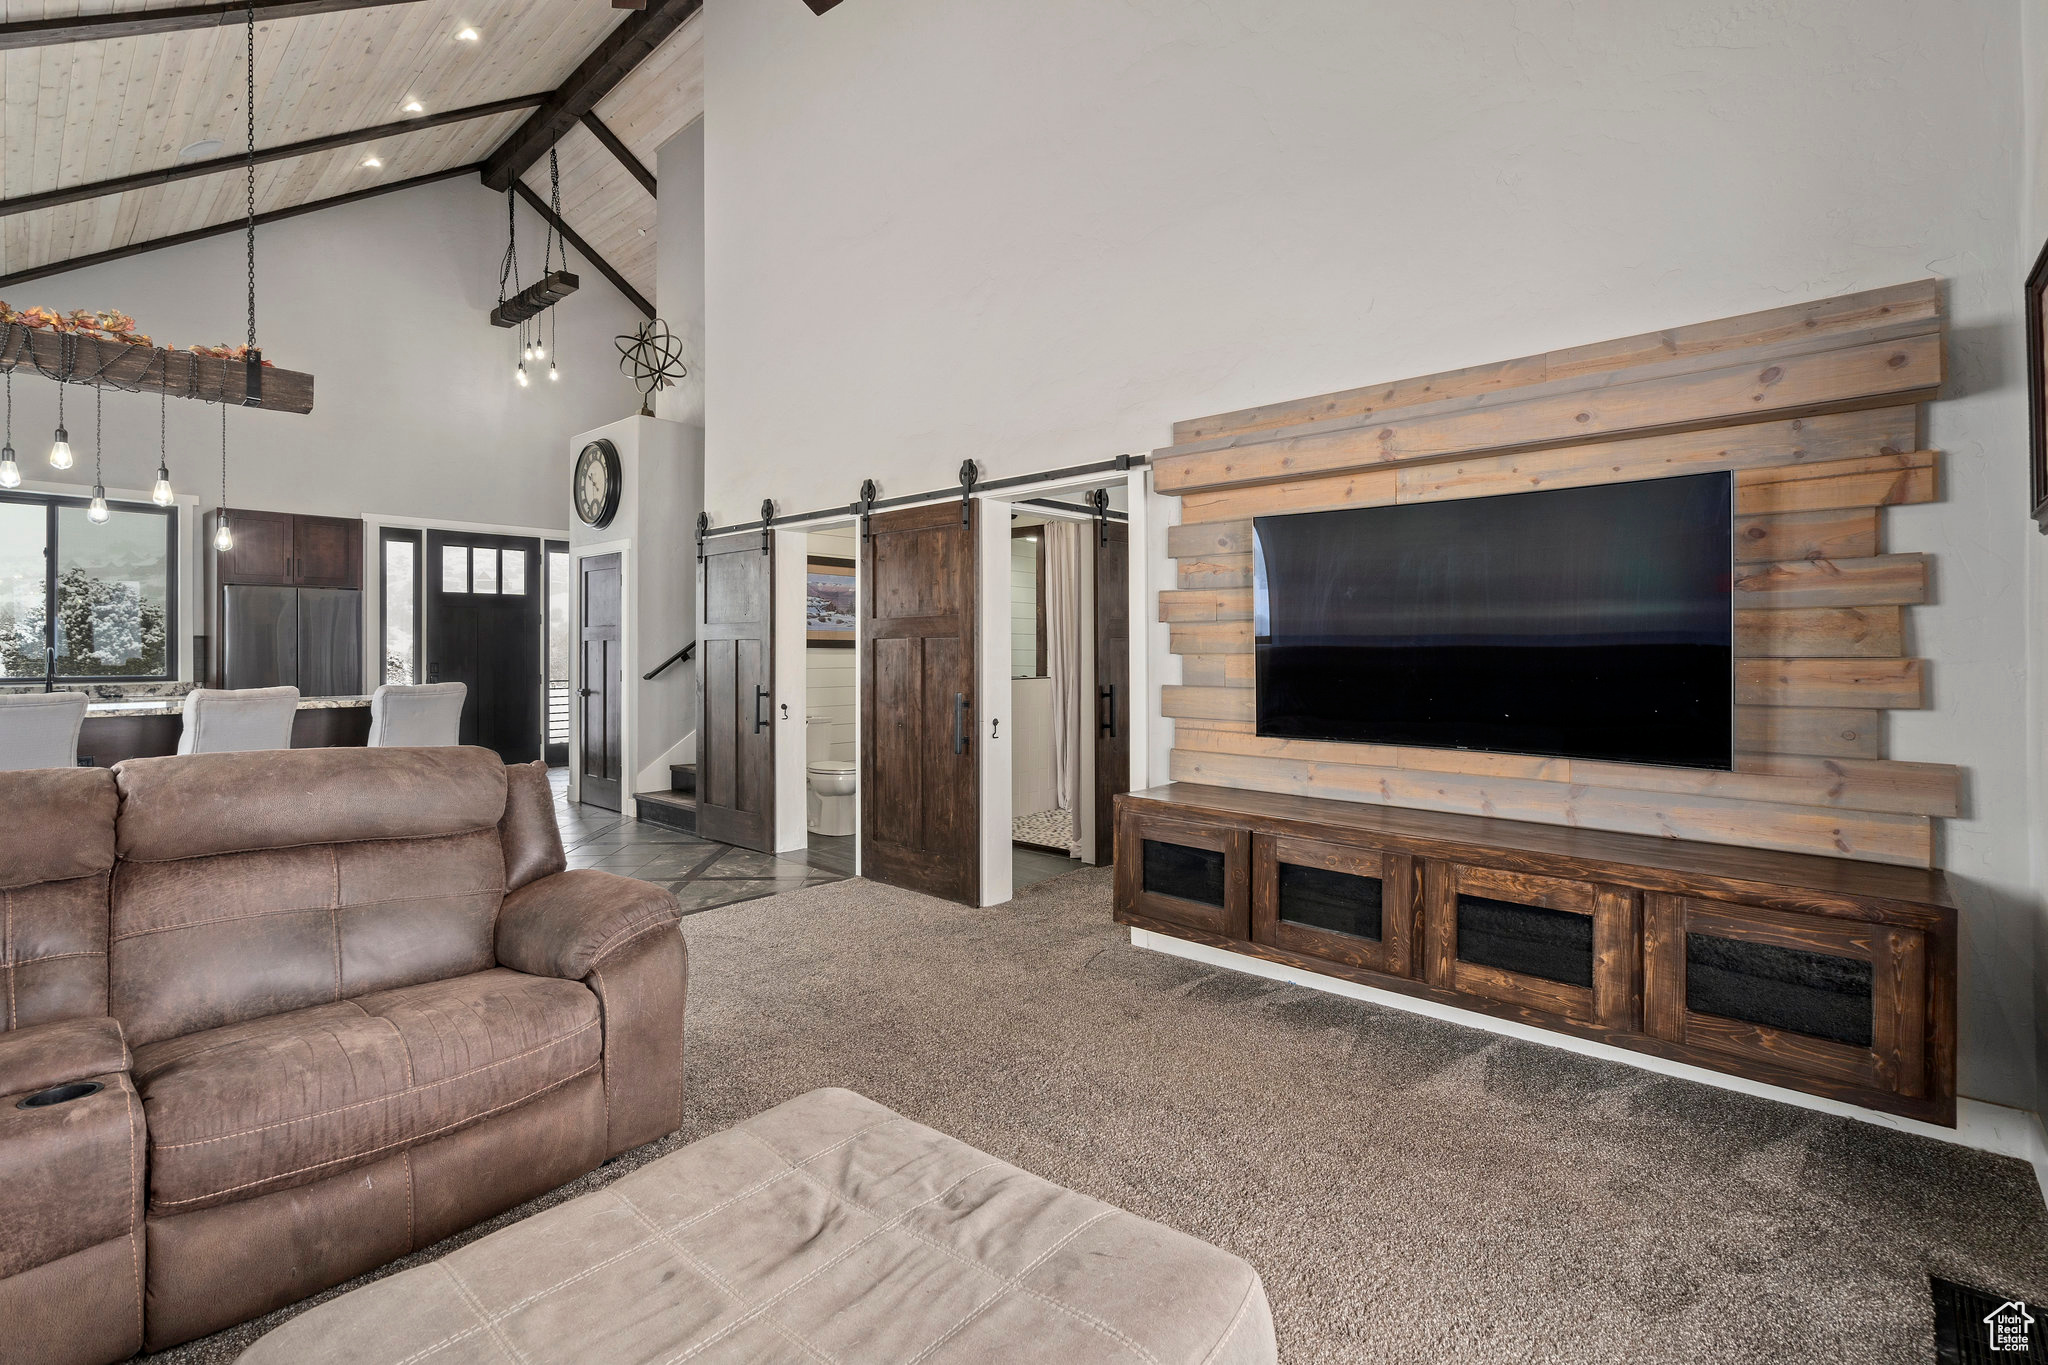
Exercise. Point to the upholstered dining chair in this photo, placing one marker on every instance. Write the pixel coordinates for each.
(422, 717)
(40, 729)
(231, 722)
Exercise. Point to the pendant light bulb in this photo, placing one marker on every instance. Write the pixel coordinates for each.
(522, 374)
(224, 537)
(96, 510)
(10, 472)
(162, 495)
(540, 352)
(554, 375)
(526, 354)
(60, 450)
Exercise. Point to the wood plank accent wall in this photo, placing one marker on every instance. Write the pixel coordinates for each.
(1814, 408)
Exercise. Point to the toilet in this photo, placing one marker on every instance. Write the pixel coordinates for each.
(832, 780)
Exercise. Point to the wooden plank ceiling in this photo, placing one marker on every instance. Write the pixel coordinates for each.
(82, 112)
(601, 200)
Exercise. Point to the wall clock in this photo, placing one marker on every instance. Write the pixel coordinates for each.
(596, 487)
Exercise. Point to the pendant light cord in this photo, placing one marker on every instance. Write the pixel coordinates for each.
(250, 64)
(223, 458)
(97, 409)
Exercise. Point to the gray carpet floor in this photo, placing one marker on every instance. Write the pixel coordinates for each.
(1411, 1191)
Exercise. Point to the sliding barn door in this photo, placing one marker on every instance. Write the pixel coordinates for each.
(736, 730)
(920, 764)
(1112, 540)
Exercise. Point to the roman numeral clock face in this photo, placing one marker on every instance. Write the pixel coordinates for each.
(595, 488)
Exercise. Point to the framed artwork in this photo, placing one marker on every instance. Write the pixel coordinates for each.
(828, 602)
(2037, 390)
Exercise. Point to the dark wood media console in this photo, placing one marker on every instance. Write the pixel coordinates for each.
(1826, 975)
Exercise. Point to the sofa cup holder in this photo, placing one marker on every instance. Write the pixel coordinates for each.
(60, 1094)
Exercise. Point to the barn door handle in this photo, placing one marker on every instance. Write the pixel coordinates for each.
(585, 692)
(760, 721)
(959, 722)
(1107, 724)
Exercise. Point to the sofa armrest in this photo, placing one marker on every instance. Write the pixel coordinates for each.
(566, 924)
(619, 937)
(43, 1055)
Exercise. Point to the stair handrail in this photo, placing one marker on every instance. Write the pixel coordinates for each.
(685, 652)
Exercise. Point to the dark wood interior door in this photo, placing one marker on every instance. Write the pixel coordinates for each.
(1112, 541)
(920, 770)
(735, 673)
(483, 630)
(600, 752)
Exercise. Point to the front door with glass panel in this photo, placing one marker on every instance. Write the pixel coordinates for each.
(483, 610)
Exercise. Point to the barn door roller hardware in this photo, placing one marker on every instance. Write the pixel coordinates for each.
(703, 526)
(968, 474)
(1100, 500)
(767, 522)
(865, 509)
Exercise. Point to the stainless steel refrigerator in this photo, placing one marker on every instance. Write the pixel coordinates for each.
(308, 638)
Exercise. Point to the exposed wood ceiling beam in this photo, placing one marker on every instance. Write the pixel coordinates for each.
(231, 225)
(540, 206)
(88, 28)
(820, 6)
(71, 194)
(622, 49)
(622, 153)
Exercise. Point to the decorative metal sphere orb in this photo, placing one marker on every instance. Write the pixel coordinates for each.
(652, 356)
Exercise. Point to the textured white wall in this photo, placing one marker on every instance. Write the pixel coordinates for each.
(386, 302)
(1037, 234)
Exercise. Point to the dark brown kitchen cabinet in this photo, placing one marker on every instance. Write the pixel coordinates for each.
(278, 549)
(284, 603)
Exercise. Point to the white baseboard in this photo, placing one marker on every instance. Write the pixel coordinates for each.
(1980, 1124)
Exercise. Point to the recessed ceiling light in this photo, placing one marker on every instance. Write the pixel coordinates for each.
(414, 107)
(468, 35)
(371, 163)
(194, 151)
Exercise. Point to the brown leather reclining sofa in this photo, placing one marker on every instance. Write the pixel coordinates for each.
(338, 1004)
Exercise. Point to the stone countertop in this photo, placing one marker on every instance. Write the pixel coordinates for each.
(172, 706)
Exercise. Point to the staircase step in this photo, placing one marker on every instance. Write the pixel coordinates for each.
(672, 809)
(682, 777)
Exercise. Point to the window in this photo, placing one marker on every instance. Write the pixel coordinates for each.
(512, 578)
(483, 570)
(79, 601)
(402, 589)
(454, 568)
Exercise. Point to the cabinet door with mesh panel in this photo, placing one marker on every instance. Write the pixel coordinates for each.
(1548, 945)
(1189, 873)
(1355, 906)
(1835, 1005)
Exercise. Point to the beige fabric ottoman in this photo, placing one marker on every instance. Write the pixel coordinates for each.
(827, 1229)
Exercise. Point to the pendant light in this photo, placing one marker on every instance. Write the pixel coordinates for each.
(554, 375)
(60, 450)
(162, 495)
(10, 472)
(224, 536)
(96, 510)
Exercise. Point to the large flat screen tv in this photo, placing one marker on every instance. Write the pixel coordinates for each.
(1581, 622)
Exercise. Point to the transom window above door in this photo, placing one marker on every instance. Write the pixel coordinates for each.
(483, 571)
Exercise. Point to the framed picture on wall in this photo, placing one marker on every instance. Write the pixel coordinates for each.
(2037, 390)
(828, 602)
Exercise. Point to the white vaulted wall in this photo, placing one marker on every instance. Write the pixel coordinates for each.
(1039, 234)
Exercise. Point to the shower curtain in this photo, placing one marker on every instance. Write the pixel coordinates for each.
(1063, 663)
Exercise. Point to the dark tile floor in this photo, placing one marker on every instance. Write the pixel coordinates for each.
(705, 875)
(702, 874)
